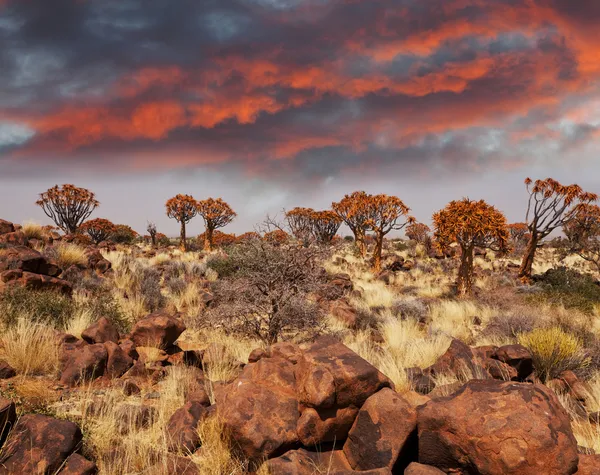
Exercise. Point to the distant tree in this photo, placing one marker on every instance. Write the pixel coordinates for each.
(123, 234)
(551, 206)
(470, 224)
(217, 214)
(355, 210)
(519, 235)
(219, 239)
(300, 223)
(68, 206)
(98, 229)
(276, 237)
(249, 236)
(162, 239)
(325, 225)
(419, 232)
(182, 208)
(583, 233)
(388, 213)
(152, 231)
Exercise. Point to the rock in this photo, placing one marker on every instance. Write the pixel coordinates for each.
(78, 465)
(182, 428)
(173, 465)
(518, 357)
(97, 262)
(384, 434)
(345, 313)
(150, 354)
(86, 363)
(6, 227)
(499, 370)
(256, 355)
(8, 416)
(128, 347)
(27, 260)
(589, 465)
(327, 425)
(415, 399)
(17, 238)
(134, 417)
(6, 370)
(260, 409)
(495, 428)
(29, 280)
(329, 374)
(420, 469)
(157, 329)
(39, 444)
(130, 388)
(419, 381)
(101, 331)
(458, 360)
(118, 362)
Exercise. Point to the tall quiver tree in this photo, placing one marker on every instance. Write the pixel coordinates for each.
(217, 214)
(300, 222)
(470, 224)
(68, 206)
(325, 225)
(355, 210)
(98, 229)
(388, 213)
(152, 232)
(551, 206)
(583, 233)
(182, 208)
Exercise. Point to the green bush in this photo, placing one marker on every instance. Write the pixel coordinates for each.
(569, 288)
(51, 308)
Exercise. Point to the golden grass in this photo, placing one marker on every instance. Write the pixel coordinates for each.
(33, 230)
(69, 254)
(455, 318)
(30, 348)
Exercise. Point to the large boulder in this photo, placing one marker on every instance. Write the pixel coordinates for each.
(39, 444)
(332, 382)
(101, 331)
(97, 262)
(6, 227)
(28, 260)
(84, 363)
(78, 465)
(8, 417)
(589, 465)
(260, 409)
(384, 434)
(420, 469)
(117, 362)
(31, 281)
(517, 357)
(458, 360)
(182, 428)
(495, 428)
(157, 329)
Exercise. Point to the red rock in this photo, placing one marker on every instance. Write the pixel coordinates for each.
(420, 469)
(39, 444)
(345, 313)
(130, 388)
(589, 465)
(384, 433)
(327, 425)
(256, 355)
(88, 362)
(32, 281)
(518, 357)
(6, 370)
(499, 370)
(16, 238)
(157, 329)
(6, 227)
(496, 428)
(78, 465)
(134, 417)
(182, 428)
(8, 417)
(260, 409)
(118, 362)
(28, 260)
(128, 347)
(101, 331)
(97, 262)
(458, 360)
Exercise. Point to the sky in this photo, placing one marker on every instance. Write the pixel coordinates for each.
(272, 104)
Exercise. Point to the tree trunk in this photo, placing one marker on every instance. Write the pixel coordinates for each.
(359, 239)
(377, 253)
(153, 238)
(208, 239)
(527, 262)
(464, 283)
(183, 242)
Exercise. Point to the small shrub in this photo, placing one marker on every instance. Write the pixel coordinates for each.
(66, 254)
(123, 234)
(49, 308)
(176, 285)
(554, 351)
(568, 287)
(33, 230)
(225, 266)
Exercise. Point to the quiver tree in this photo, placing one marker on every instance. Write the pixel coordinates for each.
(325, 225)
(470, 224)
(217, 214)
(276, 237)
(300, 223)
(355, 211)
(388, 213)
(519, 235)
(583, 233)
(219, 239)
(68, 206)
(551, 206)
(152, 232)
(419, 232)
(182, 208)
(98, 229)
(124, 234)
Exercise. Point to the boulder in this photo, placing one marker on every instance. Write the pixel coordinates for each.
(29, 280)
(326, 425)
(101, 331)
(85, 363)
(496, 428)
(6, 370)
(260, 409)
(134, 417)
(6, 227)
(27, 260)
(16, 238)
(345, 313)
(589, 465)
(182, 428)
(97, 262)
(384, 434)
(457, 360)
(518, 357)
(8, 417)
(78, 465)
(39, 444)
(420, 469)
(157, 329)
(117, 362)
(499, 370)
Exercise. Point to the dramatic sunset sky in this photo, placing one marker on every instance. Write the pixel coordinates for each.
(282, 103)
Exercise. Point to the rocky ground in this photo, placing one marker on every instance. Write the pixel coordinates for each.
(400, 378)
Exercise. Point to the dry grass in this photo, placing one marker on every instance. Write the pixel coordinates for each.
(455, 318)
(30, 348)
(33, 230)
(69, 254)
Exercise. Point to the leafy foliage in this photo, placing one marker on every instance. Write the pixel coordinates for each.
(569, 288)
(217, 214)
(325, 225)
(98, 229)
(300, 223)
(68, 206)
(583, 233)
(419, 232)
(182, 208)
(123, 234)
(355, 211)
